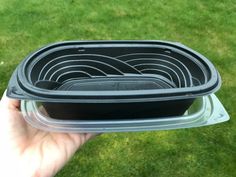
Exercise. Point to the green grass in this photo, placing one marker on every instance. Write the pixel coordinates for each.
(206, 26)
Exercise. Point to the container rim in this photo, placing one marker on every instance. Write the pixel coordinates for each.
(21, 88)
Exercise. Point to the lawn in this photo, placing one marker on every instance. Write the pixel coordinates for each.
(206, 26)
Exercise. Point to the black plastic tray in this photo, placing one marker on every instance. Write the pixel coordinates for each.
(114, 79)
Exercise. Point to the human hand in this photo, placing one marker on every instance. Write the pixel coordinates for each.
(26, 151)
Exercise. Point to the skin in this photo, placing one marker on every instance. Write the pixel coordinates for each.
(26, 151)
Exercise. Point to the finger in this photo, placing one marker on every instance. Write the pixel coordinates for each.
(81, 138)
(91, 135)
(9, 103)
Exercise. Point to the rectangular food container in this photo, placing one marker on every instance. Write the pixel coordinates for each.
(94, 82)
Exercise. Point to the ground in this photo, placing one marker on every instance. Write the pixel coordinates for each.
(206, 26)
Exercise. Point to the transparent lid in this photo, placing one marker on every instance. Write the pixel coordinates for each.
(204, 111)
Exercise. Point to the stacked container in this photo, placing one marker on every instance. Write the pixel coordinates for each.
(107, 86)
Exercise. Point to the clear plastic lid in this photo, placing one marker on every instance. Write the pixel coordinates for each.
(204, 111)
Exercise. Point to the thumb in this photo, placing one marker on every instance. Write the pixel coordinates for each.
(9, 103)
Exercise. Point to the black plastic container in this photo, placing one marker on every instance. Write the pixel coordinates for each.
(114, 79)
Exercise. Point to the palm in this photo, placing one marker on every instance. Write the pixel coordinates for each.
(42, 152)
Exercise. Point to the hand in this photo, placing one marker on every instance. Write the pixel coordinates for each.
(26, 151)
